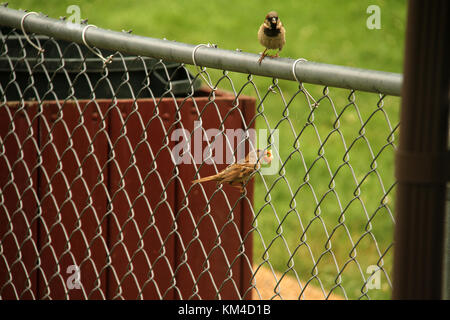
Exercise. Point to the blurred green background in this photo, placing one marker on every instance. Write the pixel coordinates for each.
(326, 233)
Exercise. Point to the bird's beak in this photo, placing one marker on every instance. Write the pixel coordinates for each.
(274, 21)
(268, 157)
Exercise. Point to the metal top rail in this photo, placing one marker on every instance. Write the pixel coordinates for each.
(243, 62)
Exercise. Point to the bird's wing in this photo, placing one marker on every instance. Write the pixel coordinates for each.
(237, 173)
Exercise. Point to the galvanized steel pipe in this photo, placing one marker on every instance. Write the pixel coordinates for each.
(243, 62)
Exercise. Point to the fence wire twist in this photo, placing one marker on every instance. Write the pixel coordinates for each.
(93, 204)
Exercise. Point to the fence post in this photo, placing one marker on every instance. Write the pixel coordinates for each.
(421, 159)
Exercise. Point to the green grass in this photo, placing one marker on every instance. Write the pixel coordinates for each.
(292, 225)
(305, 211)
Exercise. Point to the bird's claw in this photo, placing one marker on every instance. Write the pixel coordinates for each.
(263, 55)
(261, 58)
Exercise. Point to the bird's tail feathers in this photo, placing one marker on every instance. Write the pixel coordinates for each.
(210, 178)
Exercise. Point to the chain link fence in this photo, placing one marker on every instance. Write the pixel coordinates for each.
(97, 160)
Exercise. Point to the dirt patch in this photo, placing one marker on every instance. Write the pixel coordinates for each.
(288, 288)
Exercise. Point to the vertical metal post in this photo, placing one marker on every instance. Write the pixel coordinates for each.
(421, 160)
(446, 289)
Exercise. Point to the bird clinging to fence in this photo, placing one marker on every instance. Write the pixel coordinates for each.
(237, 174)
(271, 34)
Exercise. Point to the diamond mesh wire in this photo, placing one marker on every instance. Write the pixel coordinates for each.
(95, 205)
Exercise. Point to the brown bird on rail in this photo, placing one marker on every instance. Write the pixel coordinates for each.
(271, 34)
(237, 174)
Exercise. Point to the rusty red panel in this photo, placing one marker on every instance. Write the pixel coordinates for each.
(211, 224)
(141, 242)
(18, 201)
(78, 226)
(73, 230)
(248, 110)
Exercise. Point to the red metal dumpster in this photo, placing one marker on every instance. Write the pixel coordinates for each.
(92, 184)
